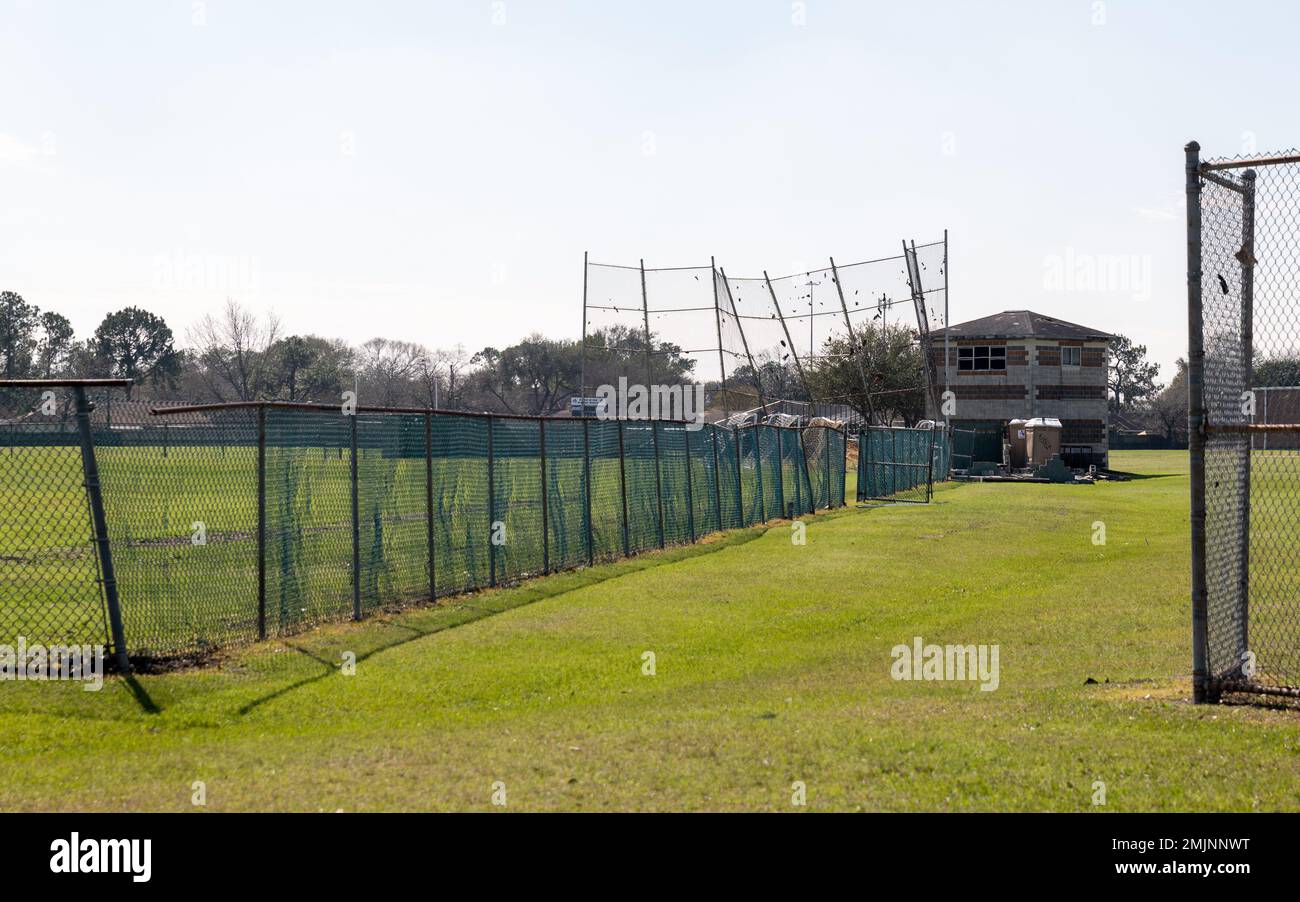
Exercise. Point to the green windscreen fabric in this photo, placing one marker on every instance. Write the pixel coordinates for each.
(239, 521)
(180, 499)
(896, 464)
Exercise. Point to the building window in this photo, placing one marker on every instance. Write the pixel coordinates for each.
(982, 358)
(1071, 356)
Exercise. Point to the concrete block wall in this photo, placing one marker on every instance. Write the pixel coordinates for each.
(1034, 384)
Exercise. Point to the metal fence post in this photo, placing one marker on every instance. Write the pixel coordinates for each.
(428, 504)
(893, 461)
(491, 507)
(844, 468)
(826, 444)
(1196, 423)
(586, 487)
(261, 521)
(659, 488)
(741, 518)
(798, 487)
(1247, 359)
(717, 479)
(780, 474)
(546, 522)
(798, 482)
(863, 445)
(356, 522)
(622, 488)
(690, 495)
(108, 576)
(929, 474)
(758, 470)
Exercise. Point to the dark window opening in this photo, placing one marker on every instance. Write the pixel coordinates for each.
(982, 358)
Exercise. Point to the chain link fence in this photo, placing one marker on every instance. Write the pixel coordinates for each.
(231, 523)
(49, 573)
(1243, 368)
(896, 464)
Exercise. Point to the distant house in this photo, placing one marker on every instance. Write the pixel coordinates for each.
(1020, 364)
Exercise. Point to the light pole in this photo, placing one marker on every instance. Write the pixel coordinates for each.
(810, 285)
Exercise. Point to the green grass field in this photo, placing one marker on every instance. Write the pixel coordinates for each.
(772, 666)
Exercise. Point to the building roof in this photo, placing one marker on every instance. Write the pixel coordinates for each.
(1020, 324)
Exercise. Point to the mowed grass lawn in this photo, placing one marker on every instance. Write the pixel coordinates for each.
(772, 666)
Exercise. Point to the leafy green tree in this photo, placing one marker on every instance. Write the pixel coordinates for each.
(890, 359)
(535, 376)
(18, 324)
(136, 344)
(779, 379)
(1131, 378)
(1283, 369)
(308, 368)
(54, 344)
(1169, 406)
(620, 351)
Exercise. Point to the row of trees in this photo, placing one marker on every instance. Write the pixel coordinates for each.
(1163, 408)
(37, 344)
(237, 355)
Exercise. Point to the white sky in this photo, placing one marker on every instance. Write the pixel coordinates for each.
(434, 171)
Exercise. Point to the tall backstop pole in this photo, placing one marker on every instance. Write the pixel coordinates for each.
(803, 378)
(854, 348)
(645, 312)
(1196, 423)
(717, 319)
(946, 322)
(582, 383)
(753, 368)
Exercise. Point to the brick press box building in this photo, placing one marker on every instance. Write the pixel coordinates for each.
(1019, 365)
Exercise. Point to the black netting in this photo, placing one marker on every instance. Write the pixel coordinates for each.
(180, 496)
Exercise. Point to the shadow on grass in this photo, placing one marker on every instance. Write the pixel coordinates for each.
(468, 609)
(1124, 475)
(141, 695)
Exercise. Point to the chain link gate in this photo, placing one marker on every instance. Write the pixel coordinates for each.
(896, 464)
(1243, 288)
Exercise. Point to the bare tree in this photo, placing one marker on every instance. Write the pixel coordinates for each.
(231, 351)
(441, 377)
(388, 371)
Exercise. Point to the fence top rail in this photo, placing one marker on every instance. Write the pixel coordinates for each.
(1248, 428)
(66, 383)
(338, 408)
(414, 411)
(1247, 162)
(436, 411)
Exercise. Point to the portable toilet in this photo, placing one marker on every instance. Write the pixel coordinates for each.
(1042, 440)
(1018, 440)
